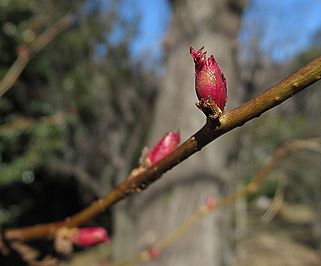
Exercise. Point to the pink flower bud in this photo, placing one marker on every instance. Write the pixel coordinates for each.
(210, 202)
(154, 252)
(209, 79)
(164, 147)
(89, 236)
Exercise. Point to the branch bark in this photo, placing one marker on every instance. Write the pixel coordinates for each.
(210, 131)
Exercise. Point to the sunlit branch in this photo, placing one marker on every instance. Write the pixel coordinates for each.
(210, 131)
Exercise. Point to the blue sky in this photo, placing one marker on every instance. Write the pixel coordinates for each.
(154, 18)
(288, 25)
(285, 27)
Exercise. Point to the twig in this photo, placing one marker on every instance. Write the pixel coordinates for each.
(313, 144)
(36, 46)
(23, 123)
(210, 131)
(276, 204)
(30, 255)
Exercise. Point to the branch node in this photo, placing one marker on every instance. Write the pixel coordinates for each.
(209, 108)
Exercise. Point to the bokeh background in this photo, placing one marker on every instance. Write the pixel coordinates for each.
(76, 120)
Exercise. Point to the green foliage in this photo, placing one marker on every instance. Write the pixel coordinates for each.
(102, 97)
(25, 148)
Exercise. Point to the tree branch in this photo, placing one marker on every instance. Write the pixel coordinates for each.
(210, 131)
(37, 45)
(313, 144)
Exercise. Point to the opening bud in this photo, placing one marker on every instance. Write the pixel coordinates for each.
(89, 236)
(210, 83)
(165, 146)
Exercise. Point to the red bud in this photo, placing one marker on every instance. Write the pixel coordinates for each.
(154, 252)
(89, 236)
(164, 147)
(210, 202)
(209, 79)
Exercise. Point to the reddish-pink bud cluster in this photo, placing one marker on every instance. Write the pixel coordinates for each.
(165, 146)
(89, 236)
(209, 79)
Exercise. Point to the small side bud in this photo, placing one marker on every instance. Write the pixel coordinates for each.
(154, 252)
(164, 147)
(89, 236)
(210, 202)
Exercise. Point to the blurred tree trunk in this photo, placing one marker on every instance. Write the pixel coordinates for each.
(164, 205)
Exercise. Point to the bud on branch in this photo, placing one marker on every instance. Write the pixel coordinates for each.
(165, 146)
(89, 236)
(210, 84)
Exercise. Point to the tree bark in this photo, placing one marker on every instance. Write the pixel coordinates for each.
(164, 205)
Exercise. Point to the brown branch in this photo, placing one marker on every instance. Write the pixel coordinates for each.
(210, 131)
(285, 149)
(23, 123)
(277, 202)
(30, 255)
(36, 46)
